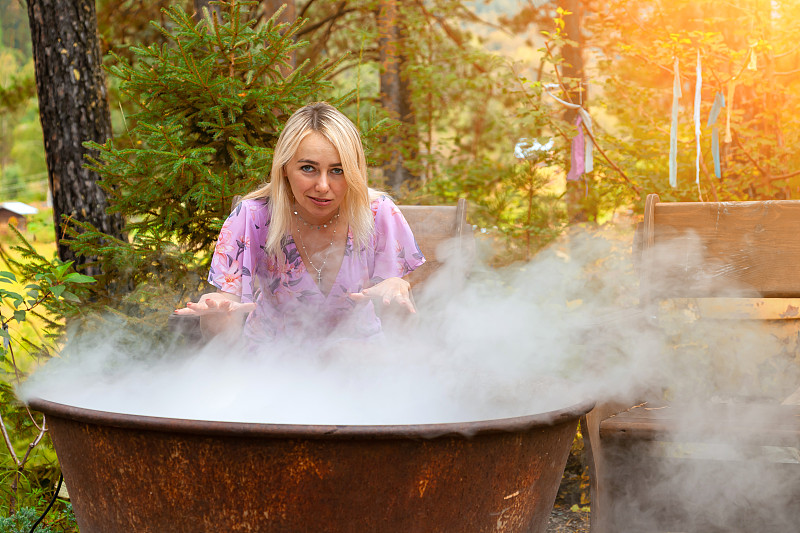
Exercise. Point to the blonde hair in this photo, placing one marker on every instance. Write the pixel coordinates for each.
(323, 118)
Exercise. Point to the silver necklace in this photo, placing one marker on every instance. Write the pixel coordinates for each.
(319, 270)
(316, 226)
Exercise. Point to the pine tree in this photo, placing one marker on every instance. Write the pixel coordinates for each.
(212, 103)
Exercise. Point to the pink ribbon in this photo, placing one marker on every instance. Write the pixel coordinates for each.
(578, 163)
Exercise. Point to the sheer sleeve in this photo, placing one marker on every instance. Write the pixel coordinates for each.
(234, 262)
(395, 250)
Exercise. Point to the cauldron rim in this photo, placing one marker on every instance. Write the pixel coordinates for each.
(308, 431)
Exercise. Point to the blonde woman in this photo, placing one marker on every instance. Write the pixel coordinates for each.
(322, 244)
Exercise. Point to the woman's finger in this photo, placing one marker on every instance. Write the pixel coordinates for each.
(406, 302)
(360, 296)
(402, 298)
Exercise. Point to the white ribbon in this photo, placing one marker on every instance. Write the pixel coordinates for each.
(697, 97)
(673, 129)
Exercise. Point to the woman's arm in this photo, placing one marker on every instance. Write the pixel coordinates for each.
(395, 255)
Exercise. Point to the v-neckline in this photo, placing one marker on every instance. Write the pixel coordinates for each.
(311, 278)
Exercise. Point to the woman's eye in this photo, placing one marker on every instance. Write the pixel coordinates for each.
(307, 168)
(337, 171)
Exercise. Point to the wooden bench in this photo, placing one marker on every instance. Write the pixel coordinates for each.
(736, 264)
(433, 226)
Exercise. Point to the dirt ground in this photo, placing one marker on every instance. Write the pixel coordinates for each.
(571, 511)
(564, 520)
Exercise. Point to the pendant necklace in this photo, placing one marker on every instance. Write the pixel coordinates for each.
(319, 270)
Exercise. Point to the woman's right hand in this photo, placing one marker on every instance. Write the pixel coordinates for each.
(216, 303)
(218, 312)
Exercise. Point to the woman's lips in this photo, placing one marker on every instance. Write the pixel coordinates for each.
(320, 201)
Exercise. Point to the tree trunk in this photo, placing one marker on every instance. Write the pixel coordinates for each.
(578, 208)
(395, 91)
(573, 65)
(73, 108)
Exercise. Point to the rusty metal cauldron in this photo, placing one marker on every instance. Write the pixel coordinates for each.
(129, 473)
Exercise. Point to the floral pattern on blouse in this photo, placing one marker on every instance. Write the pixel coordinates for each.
(288, 301)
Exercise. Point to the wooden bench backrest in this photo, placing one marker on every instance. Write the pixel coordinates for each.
(750, 245)
(432, 226)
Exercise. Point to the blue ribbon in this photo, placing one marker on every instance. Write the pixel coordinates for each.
(719, 103)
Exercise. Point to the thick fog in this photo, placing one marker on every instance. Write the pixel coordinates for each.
(508, 342)
(565, 327)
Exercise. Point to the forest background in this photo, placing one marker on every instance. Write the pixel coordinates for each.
(444, 90)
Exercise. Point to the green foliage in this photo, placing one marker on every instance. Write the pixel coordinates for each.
(17, 92)
(21, 522)
(637, 44)
(468, 112)
(211, 103)
(22, 162)
(52, 291)
(26, 179)
(14, 29)
(471, 108)
(60, 519)
(36, 295)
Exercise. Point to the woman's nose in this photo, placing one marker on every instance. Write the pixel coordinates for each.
(323, 183)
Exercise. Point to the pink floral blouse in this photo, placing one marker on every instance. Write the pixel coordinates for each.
(289, 304)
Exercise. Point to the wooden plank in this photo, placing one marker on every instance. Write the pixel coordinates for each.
(727, 261)
(753, 246)
(753, 424)
(735, 308)
(432, 227)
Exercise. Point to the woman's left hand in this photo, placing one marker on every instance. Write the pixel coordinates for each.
(390, 290)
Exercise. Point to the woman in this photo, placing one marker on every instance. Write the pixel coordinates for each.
(307, 253)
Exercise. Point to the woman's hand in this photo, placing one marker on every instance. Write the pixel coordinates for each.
(388, 291)
(218, 312)
(214, 303)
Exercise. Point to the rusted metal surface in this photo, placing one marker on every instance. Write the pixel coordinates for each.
(146, 474)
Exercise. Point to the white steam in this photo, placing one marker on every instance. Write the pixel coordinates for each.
(519, 341)
(507, 343)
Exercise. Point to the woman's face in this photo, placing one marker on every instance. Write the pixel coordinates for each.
(316, 177)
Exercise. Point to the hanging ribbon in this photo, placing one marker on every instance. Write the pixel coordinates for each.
(753, 63)
(588, 156)
(698, 93)
(719, 103)
(673, 129)
(578, 162)
(750, 63)
(729, 110)
(588, 147)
